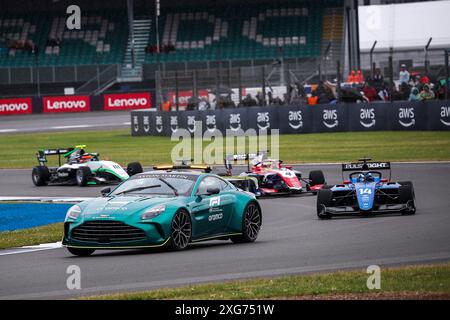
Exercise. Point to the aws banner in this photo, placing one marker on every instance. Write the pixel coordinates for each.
(291, 119)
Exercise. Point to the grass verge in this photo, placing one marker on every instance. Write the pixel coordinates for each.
(27, 237)
(420, 281)
(18, 150)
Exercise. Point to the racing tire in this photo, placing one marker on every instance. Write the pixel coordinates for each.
(80, 251)
(134, 168)
(316, 177)
(251, 224)
(324, 200)
(40, 176)
(181, 231)
(406, 195)
(83, 176)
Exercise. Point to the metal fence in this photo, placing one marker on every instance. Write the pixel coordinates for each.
(275, 79)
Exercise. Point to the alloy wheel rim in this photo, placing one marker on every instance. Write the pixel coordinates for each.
(181, 227)
(252, 221)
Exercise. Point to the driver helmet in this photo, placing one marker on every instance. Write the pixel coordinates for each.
(85, 158)
(361, 177)
(369, 176)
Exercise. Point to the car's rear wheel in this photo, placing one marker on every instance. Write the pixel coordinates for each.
(181, 230)
(406, 195)
(251, 224)
(323, 201)
(80, 251)
(83, 175)
(316, 177)
(134, 168)
(40, 176)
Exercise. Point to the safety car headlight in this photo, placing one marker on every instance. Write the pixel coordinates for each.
(153, 212)
(73, 212)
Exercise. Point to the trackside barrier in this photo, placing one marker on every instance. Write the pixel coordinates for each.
(433, 115)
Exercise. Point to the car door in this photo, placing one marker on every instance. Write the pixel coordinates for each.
(211, 213)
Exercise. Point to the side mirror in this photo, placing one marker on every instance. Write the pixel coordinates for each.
(105, 191)
(213, 190)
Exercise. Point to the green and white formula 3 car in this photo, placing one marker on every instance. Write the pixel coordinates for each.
(80, 168)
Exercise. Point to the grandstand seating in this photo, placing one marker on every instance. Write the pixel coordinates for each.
(238, 33)
(101, 41)
(300, 28)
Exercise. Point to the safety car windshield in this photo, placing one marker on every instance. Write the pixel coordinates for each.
(157, 184)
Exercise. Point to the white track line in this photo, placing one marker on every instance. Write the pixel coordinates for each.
(27, 249)
(45, 199)
(8, 130)
(73, 126)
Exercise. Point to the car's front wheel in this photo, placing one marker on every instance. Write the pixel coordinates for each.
(80, 252)
(83, 175)
(181, 230)
(323, 201)
(251, 224)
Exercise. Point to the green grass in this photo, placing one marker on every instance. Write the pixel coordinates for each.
(18, 150)
(420, 279)
(27, 237)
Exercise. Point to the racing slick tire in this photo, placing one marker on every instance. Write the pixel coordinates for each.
(40, 176)
(134, 168)
(323, 200)
(80, 251)
(251, 224)
(181, 231)
(406, 195)
(83, 176)
(316, 177)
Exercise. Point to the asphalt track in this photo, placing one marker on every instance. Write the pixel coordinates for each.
(65, 121)
(291, 241)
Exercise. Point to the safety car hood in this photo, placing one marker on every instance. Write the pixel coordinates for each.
(365, 193)
(122, 204)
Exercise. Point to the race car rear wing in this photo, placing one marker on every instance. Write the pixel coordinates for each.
(42, 154)
(365, 165)
(234, 158)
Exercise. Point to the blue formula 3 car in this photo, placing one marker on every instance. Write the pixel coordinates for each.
(366, 192)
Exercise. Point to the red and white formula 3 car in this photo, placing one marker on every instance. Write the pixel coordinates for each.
(265, 176)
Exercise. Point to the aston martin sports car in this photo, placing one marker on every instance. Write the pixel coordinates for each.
(163, 208)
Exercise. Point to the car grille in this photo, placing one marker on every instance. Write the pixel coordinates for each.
(107, 231)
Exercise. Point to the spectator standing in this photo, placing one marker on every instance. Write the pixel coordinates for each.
(404, 75)
(426, 93)
(414, 95)
(378, 80)
(370, 92)
(248, 101)
(359, 77)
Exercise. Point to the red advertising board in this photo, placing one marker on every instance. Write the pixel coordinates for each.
(66, 104)
(183, 97)
(15, 106)
(127, 101)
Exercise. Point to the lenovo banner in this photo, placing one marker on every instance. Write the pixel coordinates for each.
(15, 106)
(127, 101)
(66, 104)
